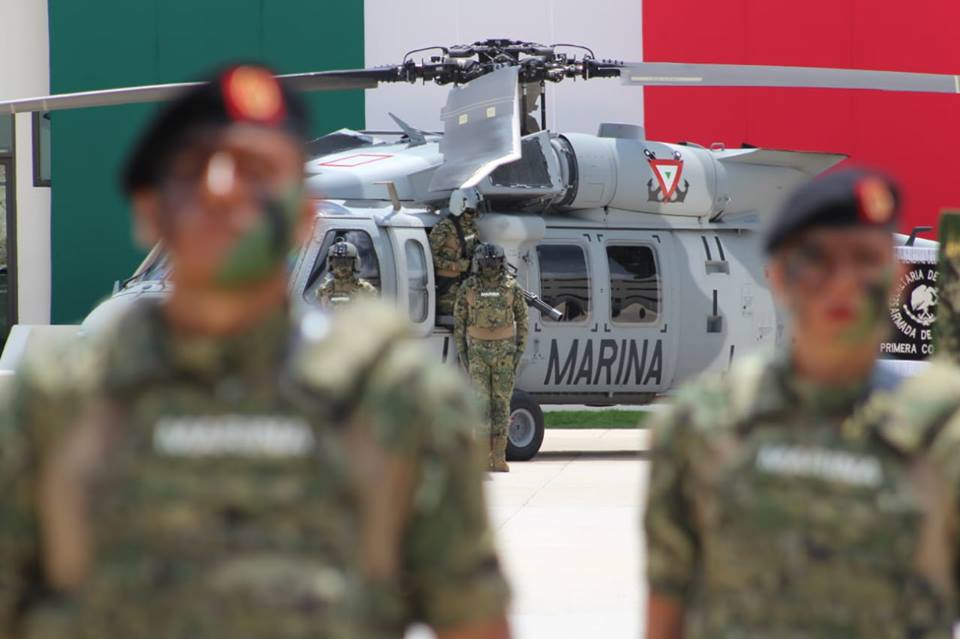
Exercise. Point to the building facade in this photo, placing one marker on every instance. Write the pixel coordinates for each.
(69, 230)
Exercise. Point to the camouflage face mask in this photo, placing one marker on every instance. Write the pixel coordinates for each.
(872, 313)
(258, 253)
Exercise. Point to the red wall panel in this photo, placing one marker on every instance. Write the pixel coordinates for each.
(914, 137)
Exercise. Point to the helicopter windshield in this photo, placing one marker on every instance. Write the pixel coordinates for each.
(369, 269)
(157, 268)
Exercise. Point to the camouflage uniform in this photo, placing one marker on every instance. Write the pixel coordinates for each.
(277, 483)
(490, 327)
(781, 509)
(946, 328)
(451, 257)
(337, 291)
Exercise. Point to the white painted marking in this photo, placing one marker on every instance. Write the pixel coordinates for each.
(663, 78)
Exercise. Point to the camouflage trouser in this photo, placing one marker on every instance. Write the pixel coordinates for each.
(491, 369)
(446, 300)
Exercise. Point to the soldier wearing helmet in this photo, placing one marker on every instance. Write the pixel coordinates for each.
(343, 283)
(452, 243)
(490, 329)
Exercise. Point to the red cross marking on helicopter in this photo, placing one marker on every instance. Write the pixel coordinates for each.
(668, 174)
(357, 159)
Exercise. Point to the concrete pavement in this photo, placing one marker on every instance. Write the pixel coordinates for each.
(567, 527)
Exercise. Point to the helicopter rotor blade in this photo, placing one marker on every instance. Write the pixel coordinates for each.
(481, 129)
(317, 81)
(732, 75)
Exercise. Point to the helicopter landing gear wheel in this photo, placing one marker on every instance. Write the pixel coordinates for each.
(525, 433)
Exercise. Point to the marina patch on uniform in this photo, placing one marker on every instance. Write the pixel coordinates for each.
(820, 463)
(489, 293)
(233, 435)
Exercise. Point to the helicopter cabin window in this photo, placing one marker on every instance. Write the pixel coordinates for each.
(369, 265)
(564, 280)
(417, 280)
(634, 284)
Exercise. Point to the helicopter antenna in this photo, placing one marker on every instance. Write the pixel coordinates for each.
(416, 136)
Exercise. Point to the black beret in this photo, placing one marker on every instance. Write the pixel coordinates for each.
(845, 198)
(246, 93)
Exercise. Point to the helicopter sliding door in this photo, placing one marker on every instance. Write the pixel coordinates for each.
(614, 343)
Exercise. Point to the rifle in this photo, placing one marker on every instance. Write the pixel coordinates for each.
(535, 301)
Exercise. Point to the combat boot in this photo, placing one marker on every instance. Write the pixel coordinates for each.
(498, 454)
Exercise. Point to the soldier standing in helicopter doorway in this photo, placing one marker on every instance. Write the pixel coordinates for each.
(452, 243)
(490, 328)
(343, 283)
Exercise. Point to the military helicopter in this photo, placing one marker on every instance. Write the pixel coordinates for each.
(647, 250)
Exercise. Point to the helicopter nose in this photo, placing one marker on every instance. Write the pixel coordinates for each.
(336, 184)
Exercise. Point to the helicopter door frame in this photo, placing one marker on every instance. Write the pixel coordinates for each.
(546, 366)
(322, 226)
(402, 239)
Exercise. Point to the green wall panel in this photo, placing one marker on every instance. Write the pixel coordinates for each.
(107, 43)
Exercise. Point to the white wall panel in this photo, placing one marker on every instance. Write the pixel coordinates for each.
(612, 28)
(25, 72)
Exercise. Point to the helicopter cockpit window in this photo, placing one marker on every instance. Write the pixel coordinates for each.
(634, 284)
(417, 281)
(157, 270)
(564, 280)
(369, 265)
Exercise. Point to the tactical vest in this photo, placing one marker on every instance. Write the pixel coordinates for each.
(835, 527)
(491, 310)
(338, 293)
(341, 293)
(267, 500)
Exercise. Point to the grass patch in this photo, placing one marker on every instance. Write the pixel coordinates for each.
(595, 419)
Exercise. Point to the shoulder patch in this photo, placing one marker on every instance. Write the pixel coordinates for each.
(922, 405)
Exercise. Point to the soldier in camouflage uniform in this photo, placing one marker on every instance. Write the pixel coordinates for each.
(810, 493)
(452, 242)
(206, 469)
(343, 283)
(946, 328)
(490, 329)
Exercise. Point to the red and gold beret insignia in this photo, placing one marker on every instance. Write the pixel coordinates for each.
(252, 94)
(875, 201)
